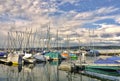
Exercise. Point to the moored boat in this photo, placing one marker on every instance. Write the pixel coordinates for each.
(53, 55)
(73, 56)
(3, 54)
(14, 58)
(109, 64)
(65, 55)
(39, 57)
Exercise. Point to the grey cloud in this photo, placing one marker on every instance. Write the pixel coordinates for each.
(105, 35)
(117, 34)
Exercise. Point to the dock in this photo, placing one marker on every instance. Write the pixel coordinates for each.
(69, 66)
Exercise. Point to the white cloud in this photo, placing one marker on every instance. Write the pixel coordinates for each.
(118, 19)
(108, 34)
(84, 15)
(106, 10)
(70, 1)
(112, 29)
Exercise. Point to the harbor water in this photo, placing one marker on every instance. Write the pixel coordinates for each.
(46, 72)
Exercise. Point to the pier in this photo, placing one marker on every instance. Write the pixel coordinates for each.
(70, 66)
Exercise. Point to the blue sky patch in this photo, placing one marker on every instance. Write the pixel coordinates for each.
(107, 21)
(91, 26)
(89, 5)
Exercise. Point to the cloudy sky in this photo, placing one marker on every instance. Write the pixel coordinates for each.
(85, 22)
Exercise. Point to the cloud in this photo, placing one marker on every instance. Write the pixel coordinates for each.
(118, 19)
(112, 29)
(70, 1)
(33, 14)
(104, 32)
(106, 10)
(84, 15)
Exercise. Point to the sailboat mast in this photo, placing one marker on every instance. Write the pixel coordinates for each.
(57, 39)
(48, 37)
(48, 28)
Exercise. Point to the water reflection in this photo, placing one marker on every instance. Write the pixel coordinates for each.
(19, 68)
(40, 72)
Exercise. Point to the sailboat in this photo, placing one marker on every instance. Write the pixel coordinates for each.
(40, 57)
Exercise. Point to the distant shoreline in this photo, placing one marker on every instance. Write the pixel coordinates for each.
(73, 47)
